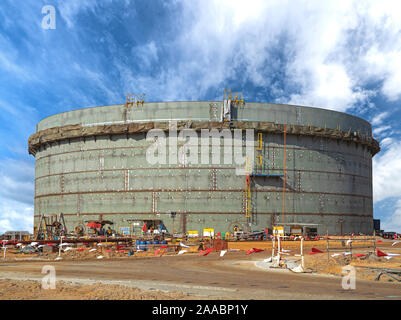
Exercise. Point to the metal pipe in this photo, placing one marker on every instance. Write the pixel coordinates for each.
(274, 245)
(279, 248)
(59, 249)
(302, 253)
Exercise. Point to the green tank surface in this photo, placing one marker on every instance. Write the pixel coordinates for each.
(93, 165)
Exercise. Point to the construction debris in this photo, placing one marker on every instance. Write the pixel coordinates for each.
(391, 273)
(29, 249)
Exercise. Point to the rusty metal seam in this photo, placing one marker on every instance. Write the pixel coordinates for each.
(196, 190)
(197, 168)
(218, 213)
(331, 151)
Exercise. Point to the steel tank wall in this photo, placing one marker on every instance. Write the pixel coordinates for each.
(329, 181)
(207, 111)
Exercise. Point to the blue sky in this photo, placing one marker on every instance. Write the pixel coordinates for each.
(339, 55)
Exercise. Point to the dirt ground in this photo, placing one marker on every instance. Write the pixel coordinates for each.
(364, 267)
(326, 264)
(80, 275)
(32, 290)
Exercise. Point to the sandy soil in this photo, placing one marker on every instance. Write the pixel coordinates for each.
(32, 290)
(80, 275)
(364, 267)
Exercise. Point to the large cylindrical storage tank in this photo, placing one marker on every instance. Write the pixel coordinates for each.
(92, 164)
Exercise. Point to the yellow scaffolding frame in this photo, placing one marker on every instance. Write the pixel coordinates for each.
(260, 141)
(131, 99)
(248, 204)
(238, 97)
(284, 172)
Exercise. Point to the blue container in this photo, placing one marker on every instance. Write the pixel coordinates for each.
(157, 242)
(142, 246)
(148, 243)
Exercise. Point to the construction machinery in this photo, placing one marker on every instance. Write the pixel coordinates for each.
(49, 229)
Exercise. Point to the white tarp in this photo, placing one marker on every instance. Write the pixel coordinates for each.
(227, 110)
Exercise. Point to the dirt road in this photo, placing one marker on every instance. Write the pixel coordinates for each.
(233, 276)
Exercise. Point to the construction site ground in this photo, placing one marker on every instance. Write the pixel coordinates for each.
(80, 275)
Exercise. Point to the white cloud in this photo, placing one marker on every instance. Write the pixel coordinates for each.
(387, 171)
(146, 54)
(380, 130)
(16, 195)
(9, 61)
(393, 221)
(69, 9)
(385, 64)
(327, 51)
(382, 60)
(17, 180)
(15, 216)
(386, 186)
(386, 142)
(331, 87)
(100, 81)
(378, 119)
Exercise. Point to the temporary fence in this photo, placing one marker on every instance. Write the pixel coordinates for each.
(350, 244)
